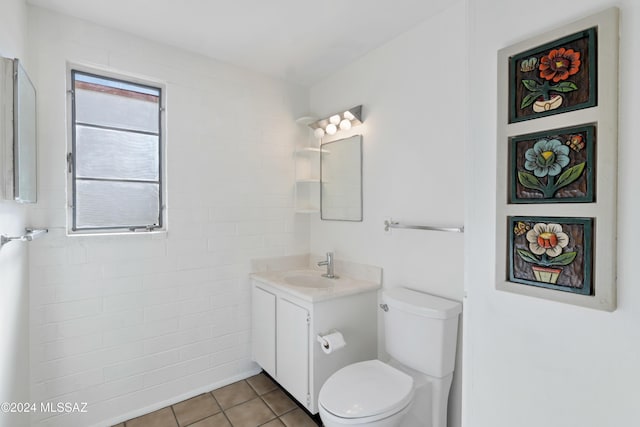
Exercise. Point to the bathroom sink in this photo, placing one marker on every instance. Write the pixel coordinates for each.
(309, 285)
(308, 281)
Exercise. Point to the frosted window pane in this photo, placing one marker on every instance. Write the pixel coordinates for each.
(116, 204)
(106, 109)
(102, 153)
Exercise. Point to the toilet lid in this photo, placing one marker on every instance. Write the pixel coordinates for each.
(365, 389)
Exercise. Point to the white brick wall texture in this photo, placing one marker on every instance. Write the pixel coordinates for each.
(132, 323)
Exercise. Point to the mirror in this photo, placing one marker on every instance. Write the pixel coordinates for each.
(24, 137)
(341, 179)
(18, 132)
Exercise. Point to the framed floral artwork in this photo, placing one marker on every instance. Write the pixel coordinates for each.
(552, 253)
(556, 77)
(556, 163)
(553, 166)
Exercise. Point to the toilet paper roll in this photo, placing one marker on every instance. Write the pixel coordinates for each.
(331, 342)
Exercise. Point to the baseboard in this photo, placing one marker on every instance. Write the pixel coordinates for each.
(176, 399)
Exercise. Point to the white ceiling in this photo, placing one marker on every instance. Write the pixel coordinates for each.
(298, 40)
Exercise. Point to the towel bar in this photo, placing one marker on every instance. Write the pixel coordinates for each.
(388, 224)
(30, 234)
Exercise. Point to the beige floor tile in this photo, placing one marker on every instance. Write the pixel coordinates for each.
(250, 414)
(278, 402)
(298, 418)
(161, 418)
(194, 409)
(262, 383)
(274, 423)
(234, 394)
(218, 420)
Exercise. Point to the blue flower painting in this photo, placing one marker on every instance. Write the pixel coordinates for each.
(553, 166)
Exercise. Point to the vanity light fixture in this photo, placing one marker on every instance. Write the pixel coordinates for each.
(339, 121)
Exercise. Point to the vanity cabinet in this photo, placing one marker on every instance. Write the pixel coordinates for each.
(285, 328)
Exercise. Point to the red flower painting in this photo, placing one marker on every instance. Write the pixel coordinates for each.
(555, 68)
(559, 64)
(559, 75)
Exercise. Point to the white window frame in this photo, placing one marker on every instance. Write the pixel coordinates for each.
(126, 77)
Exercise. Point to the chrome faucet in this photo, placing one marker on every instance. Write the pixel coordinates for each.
(329, 263)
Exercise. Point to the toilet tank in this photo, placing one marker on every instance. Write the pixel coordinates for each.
(421, 330)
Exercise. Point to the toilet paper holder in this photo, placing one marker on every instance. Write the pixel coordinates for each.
(320, 337)
(331, 341)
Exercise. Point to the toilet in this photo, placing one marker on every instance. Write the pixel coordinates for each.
(412, 389)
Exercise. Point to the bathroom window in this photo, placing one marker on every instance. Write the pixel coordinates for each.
(115, 162)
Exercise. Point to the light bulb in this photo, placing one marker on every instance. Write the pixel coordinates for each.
(331, 129)
(345, 124)
(335, 119)
(319, 133)
(347, 115)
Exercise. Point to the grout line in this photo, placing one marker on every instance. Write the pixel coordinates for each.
(174, 416)
(271, 420)
(222, 411)
(199, 419)
(225, 415)
(290, 410)
(237, 404)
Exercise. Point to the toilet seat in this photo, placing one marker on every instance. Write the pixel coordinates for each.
(365, 392)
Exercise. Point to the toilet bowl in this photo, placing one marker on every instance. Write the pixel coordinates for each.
(369, 393)
(412, 389)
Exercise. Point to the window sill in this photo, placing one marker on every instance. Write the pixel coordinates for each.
(156, 234)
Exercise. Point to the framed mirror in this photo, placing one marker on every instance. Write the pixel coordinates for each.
(341, 179)
(18, 130)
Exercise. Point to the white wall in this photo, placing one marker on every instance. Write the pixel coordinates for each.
(532, 362)
(413, 96)
(132, 323)
(14, 285)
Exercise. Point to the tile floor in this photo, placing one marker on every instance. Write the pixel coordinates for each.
(256, 401)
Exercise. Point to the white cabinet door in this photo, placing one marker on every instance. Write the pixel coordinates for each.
(293, 349)
(263, 327)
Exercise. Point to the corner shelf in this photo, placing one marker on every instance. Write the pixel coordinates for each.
(307, 173)
(307, 195)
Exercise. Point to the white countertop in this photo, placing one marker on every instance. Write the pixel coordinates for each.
(340, 287)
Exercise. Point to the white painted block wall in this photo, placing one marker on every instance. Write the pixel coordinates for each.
(14, 273)
(131, 323)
